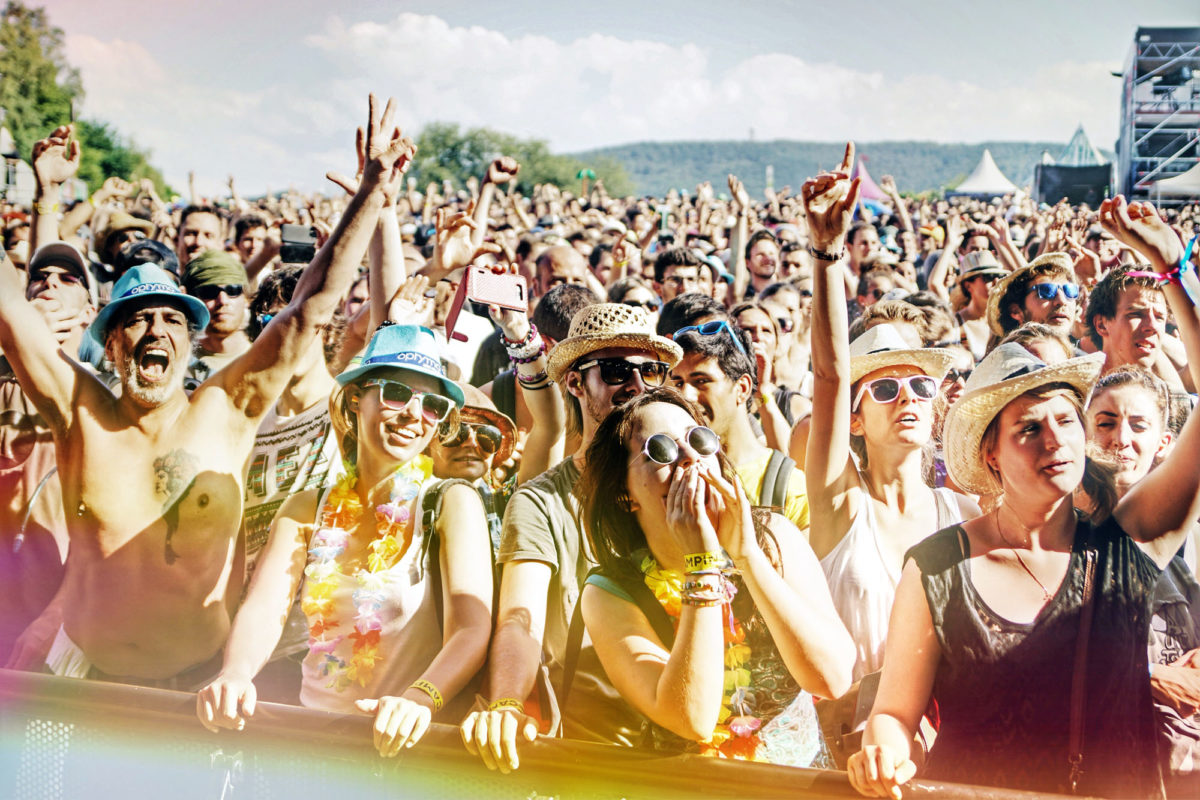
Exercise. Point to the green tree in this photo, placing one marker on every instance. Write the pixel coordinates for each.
(106, 153)
(445, 152)
(37, 87)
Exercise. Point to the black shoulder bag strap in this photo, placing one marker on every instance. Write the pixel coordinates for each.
(431, 509)
(645, 600)
(1079, 678)
(776, 478)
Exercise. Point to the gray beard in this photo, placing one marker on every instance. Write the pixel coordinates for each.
(145, 394)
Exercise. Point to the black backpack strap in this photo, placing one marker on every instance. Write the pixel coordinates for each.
(431, 509)
(504, 393)
(642, 597)
(776, 478)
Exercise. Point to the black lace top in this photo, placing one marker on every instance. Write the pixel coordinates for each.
(1003, 689)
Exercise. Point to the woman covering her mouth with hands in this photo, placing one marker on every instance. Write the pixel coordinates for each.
(714, 623)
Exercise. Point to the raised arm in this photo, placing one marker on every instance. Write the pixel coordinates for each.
(254, 379)
(829, 201)
(888, 184)
(1160, 509)
(229, 700)
(956, 229)
(55, 160)
(499, 172)
(737, 242)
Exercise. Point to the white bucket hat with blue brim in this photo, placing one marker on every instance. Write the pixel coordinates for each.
(146, 281)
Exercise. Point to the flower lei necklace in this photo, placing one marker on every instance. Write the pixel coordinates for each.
(736, 733)
(337, 519)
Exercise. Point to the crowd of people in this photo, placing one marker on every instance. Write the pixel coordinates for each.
(902, 493)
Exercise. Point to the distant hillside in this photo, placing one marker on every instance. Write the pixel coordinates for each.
(655, 167)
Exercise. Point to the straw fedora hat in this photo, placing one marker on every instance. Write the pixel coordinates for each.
(883, 346)
(996, 298)
(1005, 374)
(603, 325)
(981, 262)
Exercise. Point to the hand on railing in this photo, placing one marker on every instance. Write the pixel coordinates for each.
(227, 703)
(492, 735)
(399, 723)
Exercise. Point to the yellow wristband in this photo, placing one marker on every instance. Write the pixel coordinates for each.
(45, 208)
(766, 398)
(506, 702)
(699, 561)
(422, 685)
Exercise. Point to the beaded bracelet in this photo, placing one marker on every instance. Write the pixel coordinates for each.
(510, 344)
(422, 685)
(506, 702)
(537, 377)
(821, 255)
(528, 355)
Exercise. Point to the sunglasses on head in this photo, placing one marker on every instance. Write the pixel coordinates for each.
(617, 371)
(662, 449)
(712, 328)
(649, 305)
(959, 375)
(487, 437)
(886, 390)
(211, 291)
(1048, 291)
(396, 396)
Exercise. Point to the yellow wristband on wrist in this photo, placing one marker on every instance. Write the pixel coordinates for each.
(694, 562)
(422, 685)
(506, 702)
(46, 208)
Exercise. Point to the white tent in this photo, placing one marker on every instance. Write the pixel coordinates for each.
(986, 180)
(1186, 184)
(1080, 152)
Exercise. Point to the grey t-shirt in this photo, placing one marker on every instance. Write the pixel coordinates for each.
(540, 524)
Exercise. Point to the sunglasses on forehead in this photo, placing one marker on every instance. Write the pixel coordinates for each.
(487, 437)
(397, 396)
(662, 449)
(617, 371)
(212, 291)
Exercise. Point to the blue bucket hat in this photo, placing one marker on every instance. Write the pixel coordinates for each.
(146, 280)
(408, 347)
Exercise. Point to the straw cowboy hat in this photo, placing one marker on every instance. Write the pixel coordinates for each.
(997, 302)
(479, 409)
(883, 346)
(603, 325)
(1005, 374)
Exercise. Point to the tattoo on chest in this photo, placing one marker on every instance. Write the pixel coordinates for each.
(174, 475)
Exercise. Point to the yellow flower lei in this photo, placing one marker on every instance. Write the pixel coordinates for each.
(736, 733)
(339, 515)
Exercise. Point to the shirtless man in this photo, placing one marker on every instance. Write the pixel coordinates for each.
(151, 479)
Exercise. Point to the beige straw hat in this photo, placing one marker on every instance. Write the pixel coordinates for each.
(1005, 374)
(883, 346)
(996, 297)
(603, 325)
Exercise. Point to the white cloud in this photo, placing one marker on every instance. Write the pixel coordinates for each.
(591, 91)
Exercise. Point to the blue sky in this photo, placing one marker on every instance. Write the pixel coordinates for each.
(271, 91)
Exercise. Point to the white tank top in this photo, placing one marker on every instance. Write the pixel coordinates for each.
(863, 584)
(409, 640)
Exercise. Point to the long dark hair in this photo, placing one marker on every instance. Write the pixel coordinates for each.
(605, 506)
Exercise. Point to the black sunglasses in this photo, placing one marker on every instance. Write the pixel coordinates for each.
(211, 291)
(396, 396)
(662, 449)
(487, 437)
(649, 305)
(616, 371)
